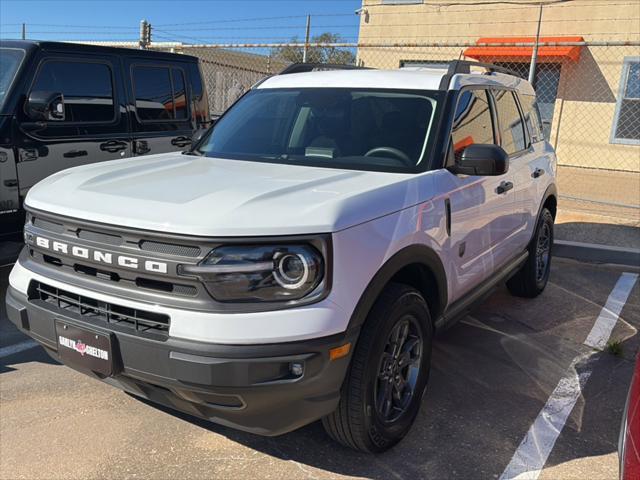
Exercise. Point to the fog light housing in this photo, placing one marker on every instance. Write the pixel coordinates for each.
(296, 369)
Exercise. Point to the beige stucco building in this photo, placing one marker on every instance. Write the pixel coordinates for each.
(589, 94)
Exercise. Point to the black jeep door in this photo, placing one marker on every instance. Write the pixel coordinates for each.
(10, 219)
(95, 123)
(162, 119)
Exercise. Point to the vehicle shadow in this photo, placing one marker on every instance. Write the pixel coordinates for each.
(491, 376)
(35, 354)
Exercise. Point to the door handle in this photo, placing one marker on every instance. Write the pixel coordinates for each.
(181, 141)
(11, 183)
(112, 146)
(504, 187)
(75, 153)
(538, 172)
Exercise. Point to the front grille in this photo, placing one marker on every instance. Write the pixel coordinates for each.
(170, 248)
(47, 225)
(99, 237)
(95, 311)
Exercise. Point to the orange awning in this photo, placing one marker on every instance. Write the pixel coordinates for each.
(482, 51)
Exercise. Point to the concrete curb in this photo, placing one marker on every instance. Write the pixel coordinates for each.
(595, 253)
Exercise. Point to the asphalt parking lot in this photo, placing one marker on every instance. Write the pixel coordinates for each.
(492, 375)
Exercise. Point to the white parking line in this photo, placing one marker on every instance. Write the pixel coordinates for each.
(531, 456)
(608, 317)
(17, 348)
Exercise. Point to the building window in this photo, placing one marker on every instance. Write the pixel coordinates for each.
(626, 121)
(439, 64)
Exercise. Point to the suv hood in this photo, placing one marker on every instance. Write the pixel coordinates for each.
(216, 197)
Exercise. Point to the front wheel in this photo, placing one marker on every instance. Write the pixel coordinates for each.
(383, 390)
(532, 278)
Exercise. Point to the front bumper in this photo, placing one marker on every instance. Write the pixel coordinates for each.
(249, 387)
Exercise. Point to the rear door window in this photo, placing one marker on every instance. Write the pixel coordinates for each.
(160, 93)
(512, 132)
(532, 117)
(87, 88)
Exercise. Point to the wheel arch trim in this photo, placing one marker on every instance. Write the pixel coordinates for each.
(411, 255)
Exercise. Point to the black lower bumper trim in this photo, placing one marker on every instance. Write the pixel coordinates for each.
(250, 387)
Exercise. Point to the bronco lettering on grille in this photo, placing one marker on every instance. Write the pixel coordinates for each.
(100, 256)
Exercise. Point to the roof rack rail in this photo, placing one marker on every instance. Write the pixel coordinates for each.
(309, 67)
(464, 66)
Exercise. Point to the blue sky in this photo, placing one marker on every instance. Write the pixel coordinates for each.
(189, 21)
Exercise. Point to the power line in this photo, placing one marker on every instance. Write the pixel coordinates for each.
(256, 19)
(262, 27)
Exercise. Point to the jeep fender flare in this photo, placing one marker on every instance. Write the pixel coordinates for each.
(411, 255)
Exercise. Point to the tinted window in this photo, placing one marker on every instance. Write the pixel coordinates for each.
(326, 126)
(472, 121)
(152, 89)
(10, 60)
(511, 126)
(160, 93)
(86, 87)
(532, 117)
(180, 94)
(546, 83)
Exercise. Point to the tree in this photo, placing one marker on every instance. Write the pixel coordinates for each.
(328, 54)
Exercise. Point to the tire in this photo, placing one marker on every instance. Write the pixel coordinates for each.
(359, 422)
(531, 280)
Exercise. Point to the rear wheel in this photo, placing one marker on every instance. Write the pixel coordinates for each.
(532, 278)
(383, 390)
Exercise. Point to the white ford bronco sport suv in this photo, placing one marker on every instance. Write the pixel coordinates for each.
(296, 262)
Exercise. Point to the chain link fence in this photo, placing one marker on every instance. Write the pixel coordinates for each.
(589, 97)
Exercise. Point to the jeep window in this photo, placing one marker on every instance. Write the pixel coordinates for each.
(510, 121)
(159, 93)
(10, 60)
(472, 121)
(86, 87)
(335, 127)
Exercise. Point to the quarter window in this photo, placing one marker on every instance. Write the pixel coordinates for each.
(626, 127)
(472, 121)
(86, 88)
(510, 121)
(532, 117)
(159, 93)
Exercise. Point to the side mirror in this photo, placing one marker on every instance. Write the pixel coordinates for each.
(483, 160)
(45, 106)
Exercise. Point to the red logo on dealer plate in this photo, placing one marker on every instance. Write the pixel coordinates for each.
(80, 347)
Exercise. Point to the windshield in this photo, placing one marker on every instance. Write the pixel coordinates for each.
(335, 127)
(10, 60)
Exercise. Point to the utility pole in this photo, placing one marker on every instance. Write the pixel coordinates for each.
(145, 35)
(306, 40)
(534, 55)
(24, 31)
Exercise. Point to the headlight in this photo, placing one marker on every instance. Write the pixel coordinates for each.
(260, 273)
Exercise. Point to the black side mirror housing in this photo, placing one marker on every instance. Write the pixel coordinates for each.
(45, 106)
(482, 160)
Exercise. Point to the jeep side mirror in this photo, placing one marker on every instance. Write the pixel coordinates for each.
(45, 106)
(483, 160)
